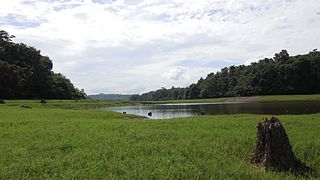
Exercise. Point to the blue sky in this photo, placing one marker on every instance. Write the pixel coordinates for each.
(134, 46)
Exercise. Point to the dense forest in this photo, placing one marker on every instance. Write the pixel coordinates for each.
(109, 97)
(282, 74)
(26, 74)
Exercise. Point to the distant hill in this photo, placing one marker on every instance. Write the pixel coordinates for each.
(110, 97)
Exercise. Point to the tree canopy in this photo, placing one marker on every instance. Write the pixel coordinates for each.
(282, 74)
(26, 74)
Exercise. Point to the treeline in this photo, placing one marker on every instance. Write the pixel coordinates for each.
(282, 74)
(26, 74)
(110, 97)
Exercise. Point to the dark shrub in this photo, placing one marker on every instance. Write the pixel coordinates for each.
(43, 101)
(26, 106)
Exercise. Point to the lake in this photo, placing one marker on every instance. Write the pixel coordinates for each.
(174, 110)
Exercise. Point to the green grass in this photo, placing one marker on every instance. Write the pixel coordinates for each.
(187, 101)
(308, 97)
(59, 143)
(311, 97)
(68, 103)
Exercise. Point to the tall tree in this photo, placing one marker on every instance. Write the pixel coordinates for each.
(26, 74)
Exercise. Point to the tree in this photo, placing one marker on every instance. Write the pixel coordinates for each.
(4, 36)
(26, 74)
(282, 74)
(282, 56)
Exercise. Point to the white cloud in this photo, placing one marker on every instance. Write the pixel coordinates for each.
(175, 73)
(123, 46)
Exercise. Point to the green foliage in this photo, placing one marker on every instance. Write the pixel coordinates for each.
(282, 74)
(50, 143)
(26, 74)
(43, 101)
(4, 36)
(110, 97)
(162, 94)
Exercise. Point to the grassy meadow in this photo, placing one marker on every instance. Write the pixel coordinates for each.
(49, 142)
(210, 100)
(68, 104)
(310, 97)
(268, 98)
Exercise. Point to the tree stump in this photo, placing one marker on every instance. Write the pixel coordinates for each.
(273, 150)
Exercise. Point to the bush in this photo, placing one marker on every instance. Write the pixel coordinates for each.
(26, 106)
(43, 101)
(2, 101)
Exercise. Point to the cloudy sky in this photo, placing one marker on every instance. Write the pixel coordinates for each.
(134, 46)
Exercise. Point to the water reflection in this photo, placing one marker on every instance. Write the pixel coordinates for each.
(164, 111)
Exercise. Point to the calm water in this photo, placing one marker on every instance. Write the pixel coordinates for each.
(164, 111)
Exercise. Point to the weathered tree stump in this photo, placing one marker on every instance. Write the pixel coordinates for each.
(273, 150)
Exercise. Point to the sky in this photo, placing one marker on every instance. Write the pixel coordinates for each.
(135, 46)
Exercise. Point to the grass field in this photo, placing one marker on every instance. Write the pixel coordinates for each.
(68, 103)
(311, 97)
(188, 101)
(54, 143)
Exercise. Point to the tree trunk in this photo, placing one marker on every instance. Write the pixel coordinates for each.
(273, 150)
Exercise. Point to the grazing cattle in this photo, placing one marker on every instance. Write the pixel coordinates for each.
(150, 114)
